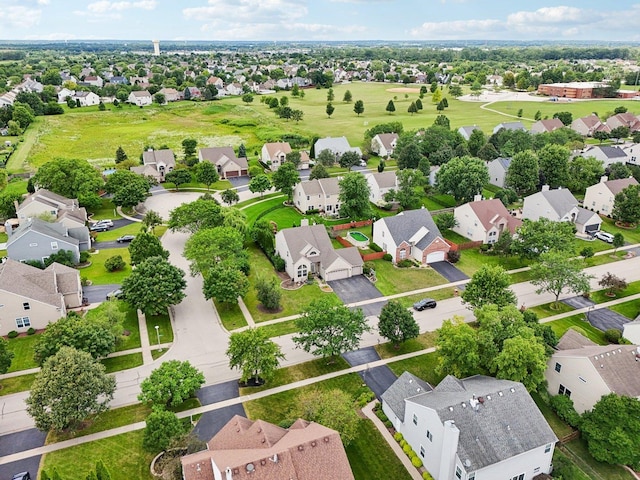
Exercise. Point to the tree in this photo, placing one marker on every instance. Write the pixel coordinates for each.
(70, 386)
(556, 272)
(330, 109)
(23, 115)
(408, 154)
(210, 246)
(463, 177)
(619, 132)
(436, 98)
(601, 135)
(171, 384)
(330, 95)
(332, 408)
(225, 283)
(354, 196)
(154, 286)
(160, 98)
(442, 121)
(297, 115)
(612, 284)
(294, 157)
(101, 471)
(565, 117)
(347, 97)
(445, 221)
(419, 105)
(162, 428)
(327, 330)
(194, 216)
(358, 107)
(121, 155)
(318, 171)
(6, 356)
(441, 106)
(151, 220)
(554, 165)
(206, 172)
(178, 177)
(254, 354)
(612, 430)
(410, 188)
(260, 183)
(230, 196)
(618, 170)
(488, 152)
(584, 172)
(543, 235)
(455, 91)
(71, 178)
(285, 178)
(457, 344)
(626, 205)
(538, 116)
(489, 285)
(146, 245)
(242, 151)
(349, 159)
(523, 359)
(390, 107)
(268, 292)
(248, 98)
(114, 263)
(128, 188)
(523, 172)
(397, 324)
(189, 146)
(618, 241)
(412, 108)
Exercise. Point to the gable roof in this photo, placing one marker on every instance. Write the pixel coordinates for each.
(250, 450)
(337, 145)
(503, 162)
(277, 147)
(155, 157)
(511, 126)
(140, 93)
(497, 419)
(572, 340)
(384, 179)
(491, 211)
(67, 278)
(608, 151)
(40, 285)
(387, 139)
(222, 156)
(319, 186)
(54, 230)
(406, 386)
(549, 124)
(561, 200)
(468, 130)
(49, 198)
(619, 184)
(405, 225)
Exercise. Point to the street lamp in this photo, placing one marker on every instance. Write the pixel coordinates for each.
(158, 335)
(589, 311)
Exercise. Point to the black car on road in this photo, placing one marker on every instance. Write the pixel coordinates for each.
(424, 303)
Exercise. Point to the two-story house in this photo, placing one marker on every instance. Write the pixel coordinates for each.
(36, 239)
(380, 184)
(498, 168)
(225, 160)
(318, 194)
(384, 144)
(140, 98)
(275, 154)
(336, 145)
(484, 220)
(156, 164)
(600, 197)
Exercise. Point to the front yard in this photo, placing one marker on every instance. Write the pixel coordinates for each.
(392, 280)
(98, 274)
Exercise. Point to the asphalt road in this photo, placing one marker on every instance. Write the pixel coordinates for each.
(98, 293)
(19, 442)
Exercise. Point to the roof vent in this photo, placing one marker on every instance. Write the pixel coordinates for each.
(451, 409)
(250, 467)
(263, 462)
(500, 394)
(513, 390)
(418, 389)
(313, 444)
(467, 463)
(264, 440)
(482, 399)
(300, 447)
(464, 405)
(509, 427)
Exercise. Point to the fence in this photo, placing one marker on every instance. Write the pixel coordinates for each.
(463, 246)
(372, 256)
(342, 241)
(346, 226)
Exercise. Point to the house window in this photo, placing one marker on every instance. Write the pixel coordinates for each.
(54, 245)
(564, 391)
(472, 476)
(421, 451)
(329, 207)
(429, 436)
(26, 306)
(547, 448)
(536, 470)
(403, 254)
(518, 477)
(415, 419)
(558, 367)
(23, 322)
(302, 271)
(458, 472)
(307, 197)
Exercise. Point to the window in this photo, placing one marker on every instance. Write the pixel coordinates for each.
(472, 476)
(307, 197)
(302, 271)
(54, 245)
(403, 254)
(26, 306)
(518, 477)
(547, 448)
(415, 419)
(421, 451)
(564, 391)
(429, 436)
(458, 472)
(23, 322)
(558, 367)
(536, 470)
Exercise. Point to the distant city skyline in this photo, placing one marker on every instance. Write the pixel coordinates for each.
(306, 20)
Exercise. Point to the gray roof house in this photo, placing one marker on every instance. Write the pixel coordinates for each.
(381, 183)
(560, 206)
(337, 145)
(156, 164)
(308, 250)
(467, 131)
(607, 154)
(411, 234)
(33, 298)
(44, 202)
(36, 239)
(509, 126)
(498, 170)
(477, 427)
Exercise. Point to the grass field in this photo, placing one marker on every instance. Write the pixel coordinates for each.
(392, 280)
(22, 348)
(99, 275)
(16, 384)
(562, 325)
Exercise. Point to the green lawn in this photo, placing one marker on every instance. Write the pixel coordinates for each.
(422, 366)
(424, 340)
(628, 309)
(22, 348)
(392, 280)
(98, 274)
(560, 428)
(106, 211)
(230, 315)
(165, 329)
(280, 328)
(472, 259)
(630, 235)
(562, 325)
(130, 229)
(579, 454)
(123, 362)
(601, 297)
(549, 309)
(131, 337)
(21, 383)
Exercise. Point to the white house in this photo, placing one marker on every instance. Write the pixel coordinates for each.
(94, 80)
(607, 154)
(484, 220)
(43, 202)
(600, 197)
(318, 194)
(275, 154)
(380, 184)
(473, 428)
(64, 93)
(411, 234)
(308, 250)
(585, 371)
(560, 206)
(383, 144)
(498, 171)
(336, 145)
(140, 98)
(86, 99)
(467, 131)
(631, 331)
(632, 151)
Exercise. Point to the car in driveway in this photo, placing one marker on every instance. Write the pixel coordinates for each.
(604, 236)
(22, 476)
(99, 227)
(125, 238)
(106, 222)
(116, 294)
(424, 303)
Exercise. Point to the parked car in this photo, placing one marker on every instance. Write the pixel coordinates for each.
(604, 236)
(106, 222)
(424, 303)
(125, 238)
(22, 476)
(117, 294)
(99, 227)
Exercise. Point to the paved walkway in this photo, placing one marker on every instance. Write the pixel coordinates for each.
(247, 314)
(144, 339)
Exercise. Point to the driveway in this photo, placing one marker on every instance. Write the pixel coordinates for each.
(450, 272)
(98, 293)
(211, 422)
(603, 318)
(378, 379)
(578, 302)
(19, 442)
(357, 289)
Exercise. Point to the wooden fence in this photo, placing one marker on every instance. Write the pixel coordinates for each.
(463, 246)
(346, 226)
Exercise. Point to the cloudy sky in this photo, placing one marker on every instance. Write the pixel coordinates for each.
(319, 20)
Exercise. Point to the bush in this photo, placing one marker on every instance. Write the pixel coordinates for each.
(453, 256)
(380, 414)
(397, 436)
(31, 331)
(12, 334)
(406, 263)
(563, 406)
(375, 247)
(84, 256)
(416, 462)
(388, 424)
(312, 211)
(115, 263)
(278, 263)
(485, 247)
(365, 398)
(406, 449)
(427, 476)
(613, 335)
(368, 267)
(403, 443)
(587, 252)
(387, 257)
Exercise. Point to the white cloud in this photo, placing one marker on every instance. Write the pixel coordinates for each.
(458, 29)
(249, 11)
(43, 2)
(105, 9)
(20, 17)
(552, 15)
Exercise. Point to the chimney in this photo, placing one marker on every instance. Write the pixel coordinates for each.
(545, 188)
(603, 179)
(477, 197)
(228, 473)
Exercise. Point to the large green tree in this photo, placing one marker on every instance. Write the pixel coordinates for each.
(333, 409)
(285, 178)
(6, 356)
(70, 387)
(225, 283)
(554, 165)
(490, 284)
(557, 272)
(154, 286)
(522, 359)
(191, 217)
(358, 107)
(410, 188)
(162, 428)
(178, 177)
(146, 245)
(349, 159)
(463, 177)
(128, 188)
(523, 173)
(458, 352)
(230, 196)
(259, 183)
(584, 172)
(151, 220)
(171, 384)
(210, 246)
(327, 330)
(626, 205)
(354, 196)
(539, 236)
(396, 323)
(206, 172)
(71, 178)
(254, 354)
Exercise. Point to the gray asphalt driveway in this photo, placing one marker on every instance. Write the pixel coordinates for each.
(378, 379)
(18, 442)
(357, 289)
(211, 422)
(605, 319)
(98, 293)
(361, 356)
(450, 272)
(578, 302)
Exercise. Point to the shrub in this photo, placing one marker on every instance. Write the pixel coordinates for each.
(406, 263)
(563, 406)
(485, 247)
(416, 462)
(387, 257)
(365, 398)
(113, 264)
(397, 436)
(368, 267)
(612, 335)
(406, 449)
(388, 424)
(278, 263)
(453, 256)
(380, 414)
(84, 256)
(31, 331)
(403, 443)
(312, 211)
(12, 334)
(427, 476)
(587, 252)
(375, 247)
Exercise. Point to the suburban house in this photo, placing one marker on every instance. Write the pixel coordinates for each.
(33, 298)
(225, 160)
(624, 120)
(318, 194)
(467, 131)
(336, 145)
(560, 206)
(156, 164)
(510, 126)
(545, 126)
(141, 98)
(170, 94)
(118, 80)
(631, 150)
(631, 331)
(308, 250)
(600, 197)
(476, 427)
(607, 154)
(380, 184)
(7, 99)
(65, 93)
(93, 80)
(587, 126)
(216, 81)
(45, 202)
(275, 154)
(192, 93)
(484, 220)
(86, 99)
(245, 450)
(498, 171)
(411, 234)
(585, 371)
(36, 239)
(383, 144)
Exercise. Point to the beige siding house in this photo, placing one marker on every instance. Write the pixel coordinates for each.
(318, 194)
(275, 154)
(380, 184)
(384, 144)
(140, 98)
(484, 221)
(45, 202)
(156, 164)
(225, 160)
(600, 197)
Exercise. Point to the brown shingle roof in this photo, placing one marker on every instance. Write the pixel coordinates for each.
(616, 186)
(572, 340)
(30, 282)
(492, 212)
(274, 148)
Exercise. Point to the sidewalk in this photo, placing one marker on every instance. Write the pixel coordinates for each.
(144, 339)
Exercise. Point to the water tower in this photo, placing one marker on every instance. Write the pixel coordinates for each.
(156, 47)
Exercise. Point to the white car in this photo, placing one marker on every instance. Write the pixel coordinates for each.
(604, 236)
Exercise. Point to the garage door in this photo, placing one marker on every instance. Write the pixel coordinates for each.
(435, 257)
(592, 228)
(337, 275)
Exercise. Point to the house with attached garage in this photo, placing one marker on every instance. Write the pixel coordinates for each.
(308, 250)
(140, 98)
(560, 206)
(626, 119)
(336, 145)
(498, 168)
(321, 194)
(86, 99)
(380, 184)
(484, 220)
(600, 197)
(156, 164)
(474, 428)
(33, 298)
(36, 239)
(546, 126)
(384, 144)
(585, 371)
(225, 160)
(411, 234)
(607, 154)
(587, 126)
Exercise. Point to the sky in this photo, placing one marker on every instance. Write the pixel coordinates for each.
(309, 20)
